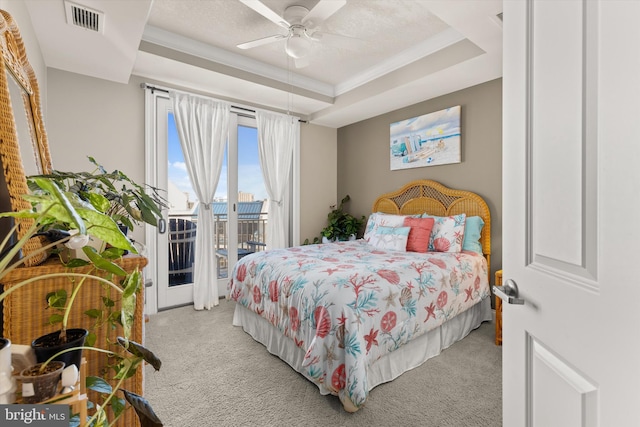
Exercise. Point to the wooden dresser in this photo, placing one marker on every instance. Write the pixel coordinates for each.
(498, 310)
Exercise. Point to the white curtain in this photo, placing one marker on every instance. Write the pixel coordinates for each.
(203, 126)
(278, 134)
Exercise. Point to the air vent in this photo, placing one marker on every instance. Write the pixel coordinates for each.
(84, 17)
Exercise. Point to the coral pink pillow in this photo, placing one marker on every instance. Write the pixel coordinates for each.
(419, 235)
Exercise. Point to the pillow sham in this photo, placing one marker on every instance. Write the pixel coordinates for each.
(368, 229)
(377, 219)
(418, 240)
(447, 233)
(394, 238)
(472, 229)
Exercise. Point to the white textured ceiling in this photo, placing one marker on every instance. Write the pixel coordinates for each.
(372, 25)
(396, 53)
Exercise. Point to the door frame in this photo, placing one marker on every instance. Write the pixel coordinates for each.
(150, 174)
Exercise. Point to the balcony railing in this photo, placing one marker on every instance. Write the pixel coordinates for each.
(251, 233)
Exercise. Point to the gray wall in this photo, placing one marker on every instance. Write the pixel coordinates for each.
(363, 155)
(318, 178)
(97, 118)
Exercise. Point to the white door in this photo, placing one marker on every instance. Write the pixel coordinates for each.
(242, 193)
(571, 185)
(240, 224)
(174, 249)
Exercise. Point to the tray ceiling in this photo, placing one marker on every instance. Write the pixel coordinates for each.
(393, 53)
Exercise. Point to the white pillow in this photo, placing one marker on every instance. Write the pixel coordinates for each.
(378, 219)
(393, 238)
(447, 233)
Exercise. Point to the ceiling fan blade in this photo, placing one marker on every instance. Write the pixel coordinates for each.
(263, 10)
(321, 11)
(262, 41)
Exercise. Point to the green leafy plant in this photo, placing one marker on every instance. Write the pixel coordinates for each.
(340, 224)
(315, 241)
(53, 208)
(112, 193)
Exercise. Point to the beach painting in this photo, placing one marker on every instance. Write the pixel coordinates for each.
(428, 140)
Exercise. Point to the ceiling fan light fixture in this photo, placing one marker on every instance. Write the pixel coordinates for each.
(298, 44)
(297, 47)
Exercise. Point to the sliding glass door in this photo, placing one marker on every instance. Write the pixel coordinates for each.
(174, 249)
(240, 207)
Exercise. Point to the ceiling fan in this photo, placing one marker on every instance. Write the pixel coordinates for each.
(302, 26)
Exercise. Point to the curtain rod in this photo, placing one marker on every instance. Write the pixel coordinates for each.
(153, 88)
(163, 90)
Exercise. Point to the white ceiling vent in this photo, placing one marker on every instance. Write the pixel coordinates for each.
(84, 17)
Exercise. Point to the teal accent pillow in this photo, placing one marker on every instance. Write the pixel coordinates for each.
(472, 228)
(394, 238)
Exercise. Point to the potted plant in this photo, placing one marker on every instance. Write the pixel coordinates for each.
(54, 208)
(113, 193)
(94, 224)
(40, 381)
(341, 225)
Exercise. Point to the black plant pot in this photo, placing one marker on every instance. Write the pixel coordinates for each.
(48, 345)
(125, 231)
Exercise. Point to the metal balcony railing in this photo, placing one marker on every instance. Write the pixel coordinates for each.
(251, 235)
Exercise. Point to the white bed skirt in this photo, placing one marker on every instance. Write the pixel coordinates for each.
(388, 367)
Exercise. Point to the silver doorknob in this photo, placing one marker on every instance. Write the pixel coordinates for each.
(508, 292)
(162, 226)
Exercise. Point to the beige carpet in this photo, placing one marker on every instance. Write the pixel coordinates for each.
(214, 374)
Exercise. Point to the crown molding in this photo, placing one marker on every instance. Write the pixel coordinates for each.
(438, 42)
(187, 45)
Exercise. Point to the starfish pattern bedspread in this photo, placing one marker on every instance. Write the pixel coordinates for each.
(347, 304)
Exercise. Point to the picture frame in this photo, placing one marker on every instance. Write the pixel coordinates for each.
(428, 140)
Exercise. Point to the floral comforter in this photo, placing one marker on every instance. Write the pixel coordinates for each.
(347, 304)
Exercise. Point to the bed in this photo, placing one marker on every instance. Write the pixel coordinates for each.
(352, 315)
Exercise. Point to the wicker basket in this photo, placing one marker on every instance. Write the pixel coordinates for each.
(25, 317)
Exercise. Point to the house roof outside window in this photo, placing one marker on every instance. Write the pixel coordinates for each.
(246, 210)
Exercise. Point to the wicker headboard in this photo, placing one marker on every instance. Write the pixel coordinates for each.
(435, 199)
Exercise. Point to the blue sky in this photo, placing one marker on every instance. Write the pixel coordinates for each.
(249, 172)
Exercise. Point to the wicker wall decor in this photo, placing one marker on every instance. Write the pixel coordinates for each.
(16, 66)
